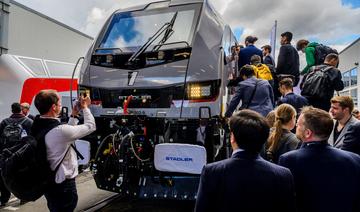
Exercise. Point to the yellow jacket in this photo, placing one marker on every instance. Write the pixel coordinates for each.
(262, 71)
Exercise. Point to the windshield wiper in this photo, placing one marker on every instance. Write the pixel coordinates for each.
(168, 32)
(167, 28)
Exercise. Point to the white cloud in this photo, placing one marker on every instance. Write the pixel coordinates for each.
(321, 19)
(95, 20)
(221, 6)
(95, 15)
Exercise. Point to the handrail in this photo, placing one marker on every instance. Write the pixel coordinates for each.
(72, 80)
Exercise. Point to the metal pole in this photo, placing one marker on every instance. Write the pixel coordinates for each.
(274, 48)
(4, 25)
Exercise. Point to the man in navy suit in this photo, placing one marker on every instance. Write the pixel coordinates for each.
(351, 141)
(326, 178)
(289, 97)
(246, 182)
(250, 50)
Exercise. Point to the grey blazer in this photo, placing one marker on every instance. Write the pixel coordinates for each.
(339, 141)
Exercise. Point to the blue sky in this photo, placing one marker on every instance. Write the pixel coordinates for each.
(238, 32)
(343, 39)
(353, 3)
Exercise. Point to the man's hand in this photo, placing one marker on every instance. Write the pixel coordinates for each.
(84, 102)
(76, 109)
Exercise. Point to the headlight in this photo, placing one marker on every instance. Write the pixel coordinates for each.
(203, 91)
(198, 91)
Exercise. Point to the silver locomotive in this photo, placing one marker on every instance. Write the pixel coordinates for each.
(157, 76)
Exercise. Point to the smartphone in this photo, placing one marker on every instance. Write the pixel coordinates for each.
(84, 92)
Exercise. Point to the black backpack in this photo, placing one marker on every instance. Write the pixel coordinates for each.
(24, 166)
(317, 83)
(12, 133)
(320, 53)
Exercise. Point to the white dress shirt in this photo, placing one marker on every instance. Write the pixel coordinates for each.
(58, 141)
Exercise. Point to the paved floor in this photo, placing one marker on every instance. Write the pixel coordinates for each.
(88, 194)
(126, 205)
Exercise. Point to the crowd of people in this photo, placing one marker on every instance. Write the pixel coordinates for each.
(19, 116)
(291, 152)
(58, 138)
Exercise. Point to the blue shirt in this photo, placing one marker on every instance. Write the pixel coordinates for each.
(246, 53)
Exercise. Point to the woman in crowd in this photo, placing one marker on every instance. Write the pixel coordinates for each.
(281, 139)
(271, 118)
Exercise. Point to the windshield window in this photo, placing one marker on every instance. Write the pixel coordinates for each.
(128, 31)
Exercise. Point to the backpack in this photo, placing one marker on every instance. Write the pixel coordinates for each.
(262, 71)
(320, 53)
(12, 133)
(317, 83)
(24, 166)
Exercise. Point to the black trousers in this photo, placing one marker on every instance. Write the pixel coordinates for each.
(62, 197)
(5, 193)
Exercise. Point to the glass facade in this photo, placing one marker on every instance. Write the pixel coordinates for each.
(350, 79)
(346, 78)
(353, 93)
(353, 77)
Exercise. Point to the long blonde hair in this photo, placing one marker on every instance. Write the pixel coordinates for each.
(283, 115)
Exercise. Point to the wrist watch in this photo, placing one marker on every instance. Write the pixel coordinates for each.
(76, 116)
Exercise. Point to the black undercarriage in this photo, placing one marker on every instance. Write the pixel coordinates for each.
(124, 161)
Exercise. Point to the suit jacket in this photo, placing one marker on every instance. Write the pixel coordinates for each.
(246, 53)
(340, 140)
(351, 141)
(288, 142)
(245, 182)
(288, 62)
(262, 102)
(326, 178)
(294, 100)
(268, 60)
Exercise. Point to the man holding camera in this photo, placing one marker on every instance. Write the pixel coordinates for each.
(61, 154)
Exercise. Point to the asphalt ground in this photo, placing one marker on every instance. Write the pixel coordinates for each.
(88, 195)
(127, 205)
(104, 201)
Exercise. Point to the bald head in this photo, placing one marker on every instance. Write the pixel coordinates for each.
(25, 108)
